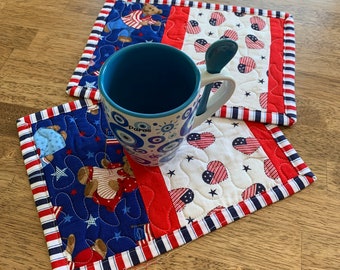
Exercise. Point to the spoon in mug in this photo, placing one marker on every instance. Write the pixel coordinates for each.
(217, 57)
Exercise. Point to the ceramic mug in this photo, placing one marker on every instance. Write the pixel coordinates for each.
(150, 93)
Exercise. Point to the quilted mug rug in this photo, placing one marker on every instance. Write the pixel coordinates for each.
(100, 210)
(264, 66)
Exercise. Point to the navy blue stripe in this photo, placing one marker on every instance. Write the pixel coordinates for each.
(160, 246)
(289, 68)
(89, 45)
(210, 223)
(289, 41)
(53, 251)
(101, 18)
(48, 225)
(260, 11)
(38, 116)
(289, 99)
(29, 154)
(186, 234)
(235, 112)
(299, 183)
(134, 257)
(226, 8)
(25, 136)
(208, 6)
(41, 202)
(256, 202)
(258, 116)
(105, 265)
(294, 157)
(289, 54)
(280, 138)
(85, 59)
(97, 32)
(291, 115)
(289, 83)
(61, 109)
(233, 213)
(289, 28)
(77, 73)
(281, 119)
(278, 193)
(277, 14)
(243, 10)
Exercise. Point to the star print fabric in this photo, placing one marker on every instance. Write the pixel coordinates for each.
(264, 66)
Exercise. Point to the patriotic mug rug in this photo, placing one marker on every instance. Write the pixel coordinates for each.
(264, 66)
(101, 210)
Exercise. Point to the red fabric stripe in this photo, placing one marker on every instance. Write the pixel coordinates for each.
(52, 237)
(173, 240)
(275, 74)
(59, 263)
(246, 113)
(244, 208)
(32, 163)
(39, 189)
(147, 252)
(267, 198)
(221, 218)
(163, 217)
(197, 229)
(44, 213)
(72, 106)
(119, 261)
(289, 189)
(27, 145)
(174, 36)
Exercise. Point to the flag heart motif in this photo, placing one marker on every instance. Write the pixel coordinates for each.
(252, 42)
(257, 23)
(201, 140)
(246, 146)
(180, 197)
(193, 27)
(252, 190)
(201, 45)
(215, 173)
(270, 170)
(217, 18)
(231, 34)
(246, 64)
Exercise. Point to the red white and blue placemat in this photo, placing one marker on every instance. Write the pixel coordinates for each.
(264, 67)
(98, 213)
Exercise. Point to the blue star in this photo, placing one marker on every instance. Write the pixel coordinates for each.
(90, 84)
(72, 120)
(117, 236)
(90, 155)
(171, 173)
(97, 122)
(246, 168)
(68, 218)
(126, 210)
(213, 192)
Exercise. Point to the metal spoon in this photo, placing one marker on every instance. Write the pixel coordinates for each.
(217, 57)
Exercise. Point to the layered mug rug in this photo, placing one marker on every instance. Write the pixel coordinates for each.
(101, 210)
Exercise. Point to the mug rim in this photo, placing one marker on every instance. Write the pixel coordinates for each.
(112, 58)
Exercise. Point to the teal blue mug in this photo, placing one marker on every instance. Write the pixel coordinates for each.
(151, 93)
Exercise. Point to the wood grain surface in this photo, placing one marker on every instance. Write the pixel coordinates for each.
(40, 45)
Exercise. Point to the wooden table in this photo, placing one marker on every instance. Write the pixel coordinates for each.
(40, 45)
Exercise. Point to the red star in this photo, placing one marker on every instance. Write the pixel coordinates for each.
(97, 139)
(69, 152)
(140, 34)
(82, 133)
(74, 192)
(118, 151)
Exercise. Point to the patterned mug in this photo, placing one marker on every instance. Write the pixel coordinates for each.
(151, 93)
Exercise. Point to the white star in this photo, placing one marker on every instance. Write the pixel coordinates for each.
(90, 84)
(91, 221)
(59, 173)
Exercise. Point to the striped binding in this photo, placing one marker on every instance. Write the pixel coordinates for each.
(147, 250)
(286, 119)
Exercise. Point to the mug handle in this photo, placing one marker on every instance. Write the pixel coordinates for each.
(213, 103)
